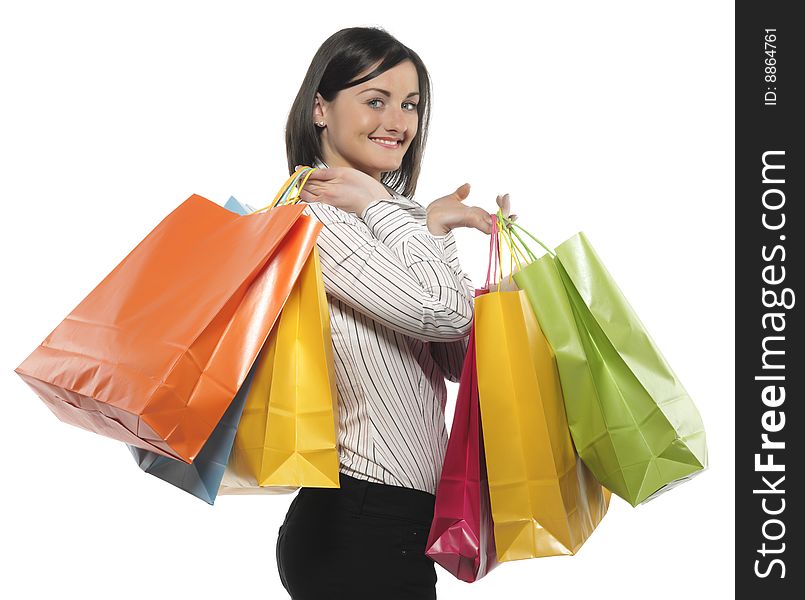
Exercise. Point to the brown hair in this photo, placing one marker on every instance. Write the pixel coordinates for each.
(340, 58)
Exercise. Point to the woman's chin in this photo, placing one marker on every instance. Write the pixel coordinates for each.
(386, 165)
(374, 164)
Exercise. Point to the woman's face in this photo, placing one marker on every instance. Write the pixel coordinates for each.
(384, 107)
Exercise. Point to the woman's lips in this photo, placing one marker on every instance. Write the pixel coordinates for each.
(387, 146)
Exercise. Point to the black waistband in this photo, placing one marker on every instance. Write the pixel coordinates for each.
(370, 498)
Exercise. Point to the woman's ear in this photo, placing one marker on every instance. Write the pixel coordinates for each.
(319, 107)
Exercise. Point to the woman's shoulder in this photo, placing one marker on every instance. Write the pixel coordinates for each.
(327, 213)
(402, 200)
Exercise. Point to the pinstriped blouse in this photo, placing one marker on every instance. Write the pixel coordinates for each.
(401, 309)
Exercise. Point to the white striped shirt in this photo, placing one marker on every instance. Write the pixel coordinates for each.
(401, 309)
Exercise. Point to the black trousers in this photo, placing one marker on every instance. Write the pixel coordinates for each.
(362, 540)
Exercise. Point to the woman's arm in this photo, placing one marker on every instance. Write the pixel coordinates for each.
(396, 273)
(450, 355)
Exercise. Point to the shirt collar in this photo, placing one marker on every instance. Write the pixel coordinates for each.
(398, 198)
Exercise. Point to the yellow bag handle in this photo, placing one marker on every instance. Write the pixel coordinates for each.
(501, 228)
(513, 247)
(510, 224)
(303, 172)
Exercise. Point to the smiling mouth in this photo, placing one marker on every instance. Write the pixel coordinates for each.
(387, 144)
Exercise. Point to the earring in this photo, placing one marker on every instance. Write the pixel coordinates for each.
(320, 123)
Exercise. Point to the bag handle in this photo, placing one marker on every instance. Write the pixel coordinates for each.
(495, 255)
(492, 246)
(513, 248)
(299, 173)
(501, 227)
(283, 196)
(511, 224)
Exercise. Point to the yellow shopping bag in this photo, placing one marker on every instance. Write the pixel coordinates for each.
(544, 501)
(287, 435)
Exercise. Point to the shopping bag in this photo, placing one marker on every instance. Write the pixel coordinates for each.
(155, 353)
(204, 475)
(287, 434)
(238, 207)
(544, 500)
(631, 419)
(461, 537)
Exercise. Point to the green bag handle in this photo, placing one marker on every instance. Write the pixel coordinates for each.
(513, 247)
(499, 231)
(509, 224)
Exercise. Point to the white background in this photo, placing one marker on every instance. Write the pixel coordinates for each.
(612, 118)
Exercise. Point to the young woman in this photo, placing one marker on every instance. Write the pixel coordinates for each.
(401, 309)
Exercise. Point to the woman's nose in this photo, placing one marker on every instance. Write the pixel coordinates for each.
(396, 121)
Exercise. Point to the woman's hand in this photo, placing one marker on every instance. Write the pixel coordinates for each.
(349, 189)
(505, 206)
(450, 212)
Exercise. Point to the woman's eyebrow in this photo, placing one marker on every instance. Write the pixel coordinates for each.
(386, 93)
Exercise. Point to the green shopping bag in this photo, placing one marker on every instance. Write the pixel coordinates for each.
(632, 422)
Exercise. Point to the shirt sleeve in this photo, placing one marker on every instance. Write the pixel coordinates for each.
(389, 267)
(450, 356)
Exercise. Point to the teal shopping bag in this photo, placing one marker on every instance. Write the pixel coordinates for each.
(631, 420)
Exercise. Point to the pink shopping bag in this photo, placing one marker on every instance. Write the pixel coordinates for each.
(461, 535)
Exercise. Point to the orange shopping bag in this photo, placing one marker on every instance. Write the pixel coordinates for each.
(154, 355)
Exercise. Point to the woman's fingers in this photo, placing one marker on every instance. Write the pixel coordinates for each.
(308, 196)
(311, 176)
(316, 183)
(324, 174)
(479, 219)
(462, 191)
(504, 203)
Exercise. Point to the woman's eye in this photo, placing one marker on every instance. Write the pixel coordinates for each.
(370, 103)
